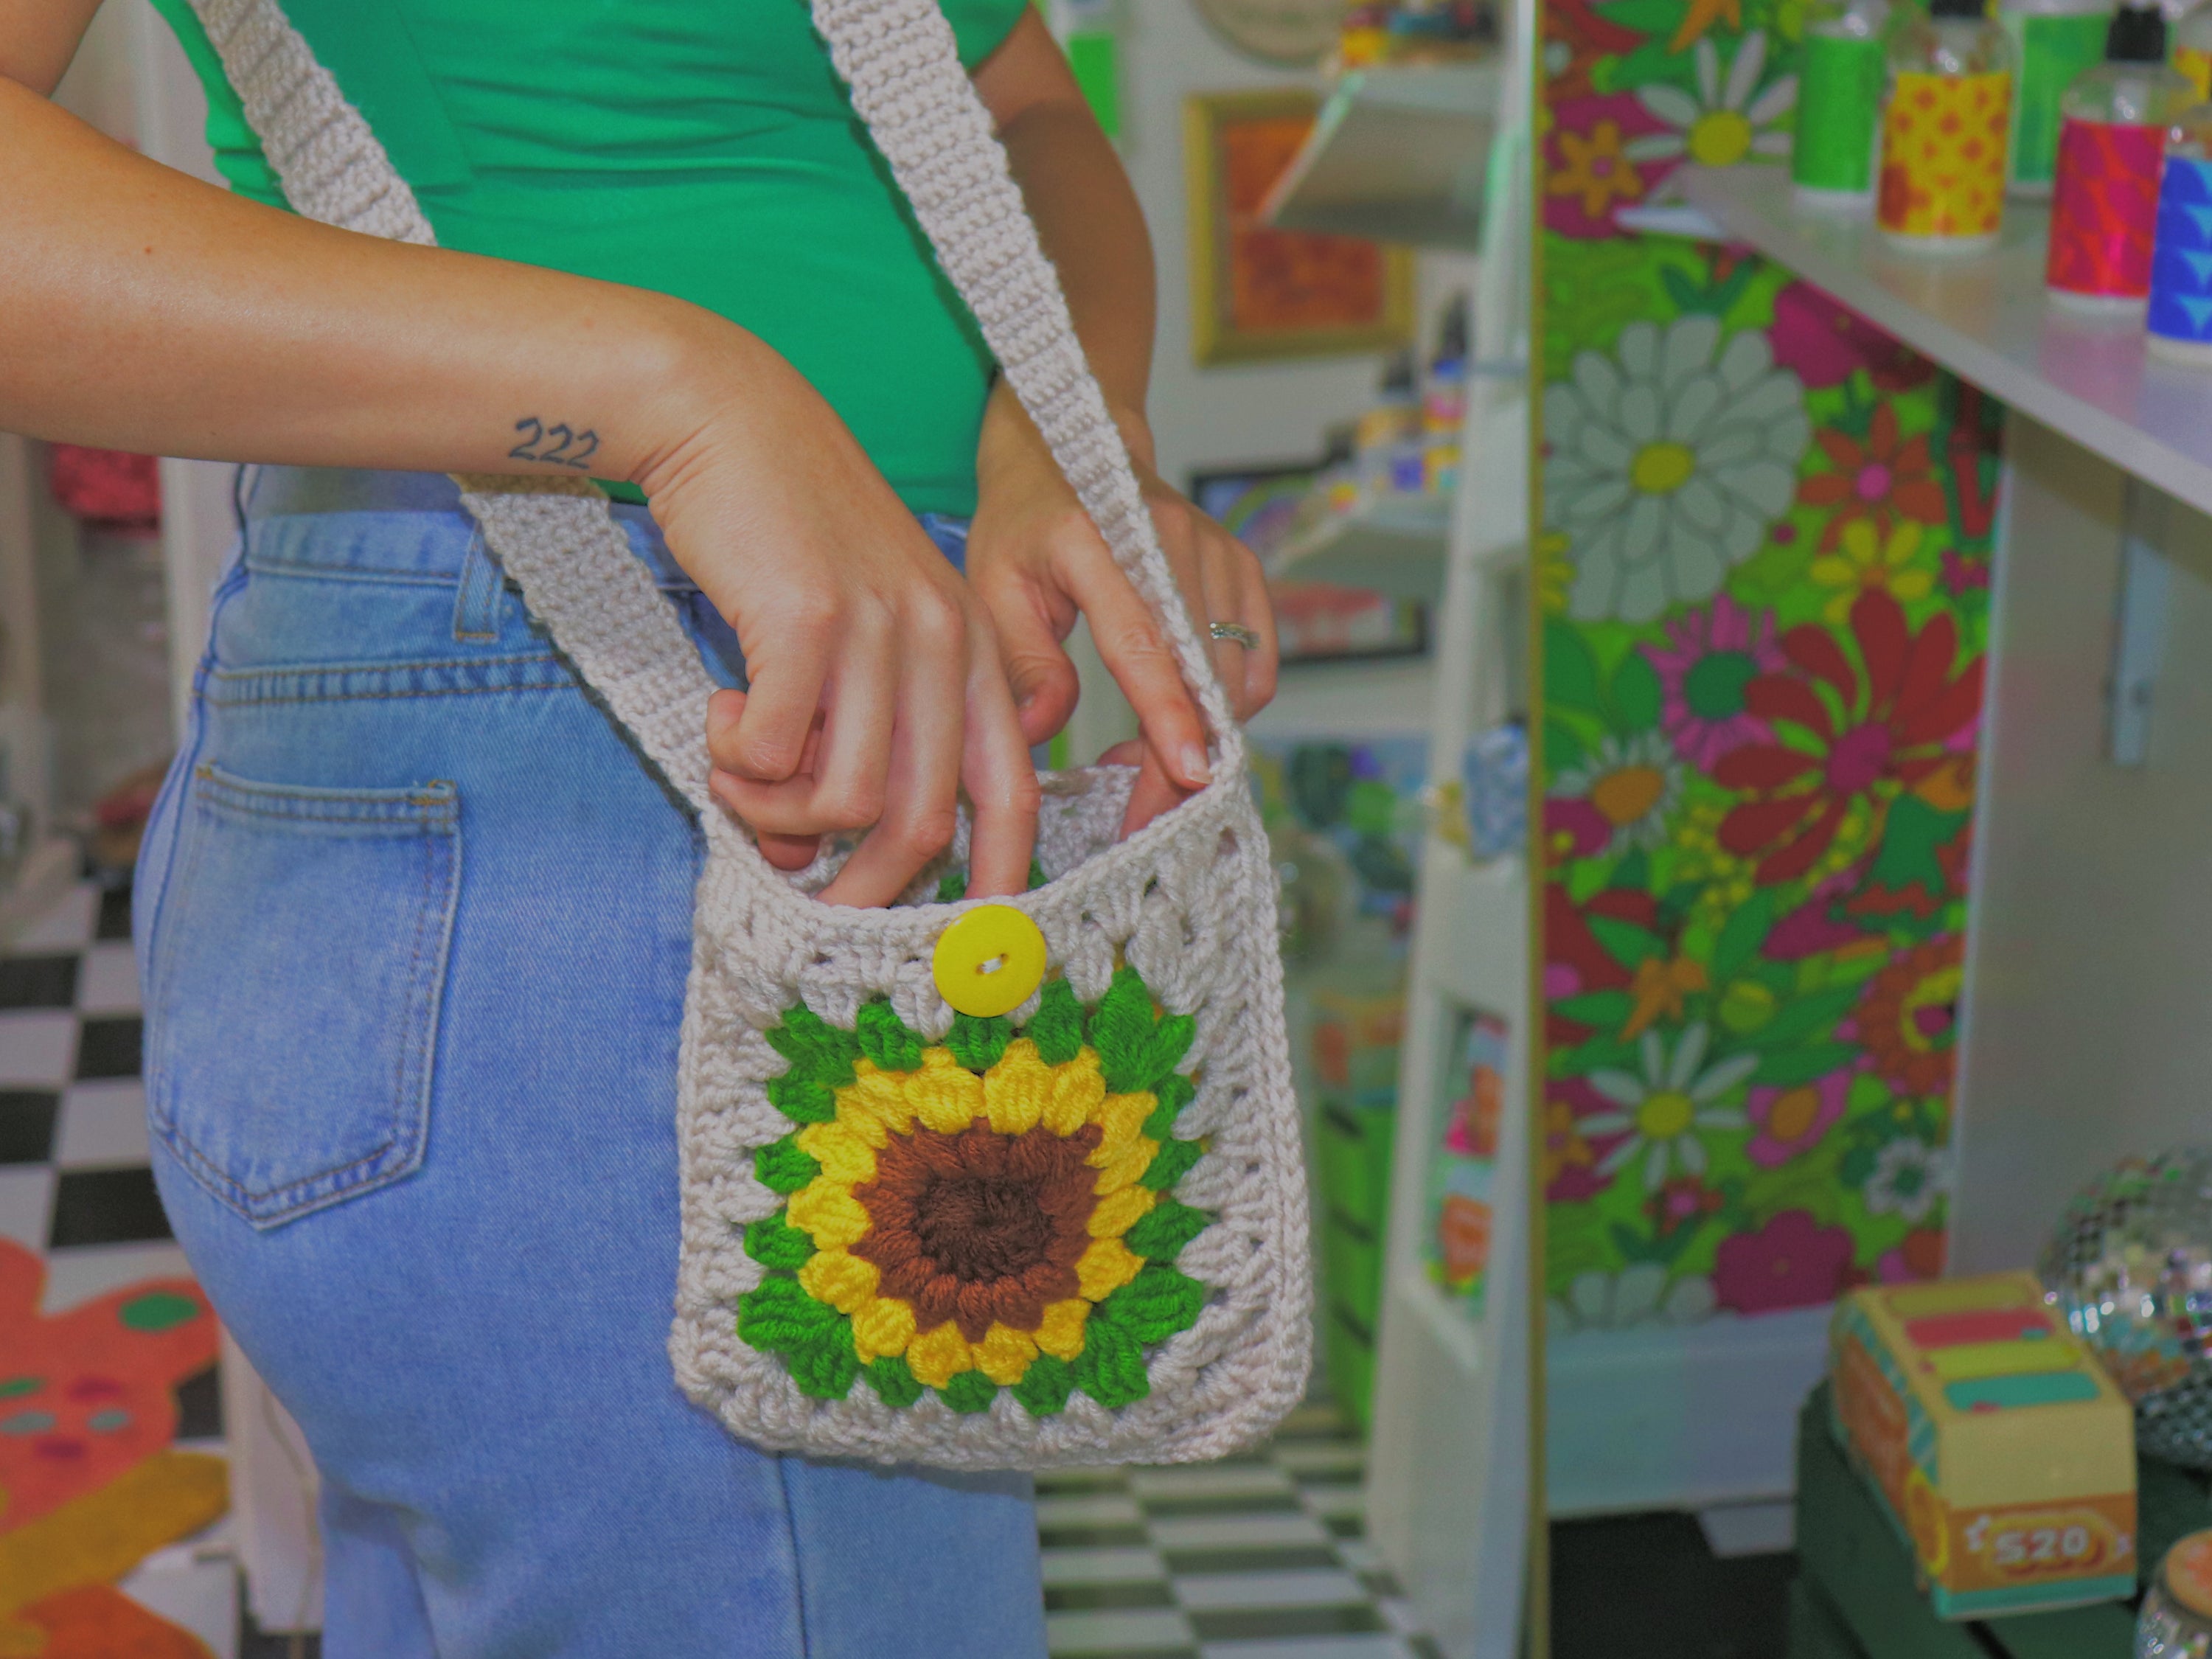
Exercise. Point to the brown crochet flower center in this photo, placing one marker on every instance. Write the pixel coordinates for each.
(979, 1226)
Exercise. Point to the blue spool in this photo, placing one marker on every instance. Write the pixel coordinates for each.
(2181, 256)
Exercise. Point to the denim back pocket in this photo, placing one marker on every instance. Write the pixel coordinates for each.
(294, 975)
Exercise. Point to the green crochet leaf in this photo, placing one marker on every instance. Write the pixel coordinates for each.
(1174, 1093)
(977, 1043)
(1136, 1049)
(1153, 1306)
(783, 1167)
(893, 1381)
(1057, 1028)
(815, 1048)
(885, 1040)
(1163, 1231)
(1044, 1387)
(802, 1099)
(1170, 1163)
(773, 1244)
(1111, 1367)
(825, 1367)
(968, 1392)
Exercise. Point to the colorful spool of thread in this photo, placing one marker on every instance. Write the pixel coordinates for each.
(2180, 315)
(1942, 159)
(2104, 213)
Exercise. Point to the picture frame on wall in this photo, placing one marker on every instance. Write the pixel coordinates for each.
(1258, 293)
(1315, 622)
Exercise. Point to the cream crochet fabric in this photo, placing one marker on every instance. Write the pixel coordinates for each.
(1188, 902)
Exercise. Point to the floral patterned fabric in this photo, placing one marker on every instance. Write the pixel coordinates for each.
(992, 1213)
(1764, 571)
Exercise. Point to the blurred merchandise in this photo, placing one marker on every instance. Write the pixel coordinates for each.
(1831, 159)
(2176, 1621)
(2112, 143)
(1496, 786)
(1320, 622)
(2001, 1451)
(2052, 41)
(2129, 1266)
(1444, 401)
(1354, 1041)
(1388, 452)
(105, 487)
(2192, 49)
(1359, 799)
(1942, 179)
(1464, 1164)
(1410, 32)
(118, 823)
(2179, 317)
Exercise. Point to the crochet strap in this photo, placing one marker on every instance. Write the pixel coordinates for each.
(556, 537)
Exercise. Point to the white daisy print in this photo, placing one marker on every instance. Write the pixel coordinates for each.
(1633, 785)
(1666, 462)
(1726, 122)
(1663, 1110)
(1639, 1294)
(1909, 1176)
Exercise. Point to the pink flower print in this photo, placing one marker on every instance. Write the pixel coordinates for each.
(1791, 1121)
(1825, 341)
(1791, 1262)
(1713, 654)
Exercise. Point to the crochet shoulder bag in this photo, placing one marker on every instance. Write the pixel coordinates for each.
(1013, 1184)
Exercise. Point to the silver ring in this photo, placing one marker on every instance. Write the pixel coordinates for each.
(1236, 632)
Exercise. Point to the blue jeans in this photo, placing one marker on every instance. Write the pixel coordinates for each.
(414, 924)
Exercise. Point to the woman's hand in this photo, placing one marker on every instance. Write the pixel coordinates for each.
(876, 690)
(1036, 561)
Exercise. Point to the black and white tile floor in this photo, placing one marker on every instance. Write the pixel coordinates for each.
(1263, 1557)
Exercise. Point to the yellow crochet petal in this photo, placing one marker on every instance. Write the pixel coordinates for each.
(883, 1325)
(843, 1281)
(845, 1155)
(1015, 1091)
(1077, 1090)
(875, 1103)
(1132, 1163)
(1120, 1116)
(825, 1209)
(946, 1096)
(1117, 1213)
(1106, 1267)
(1060, 1336)
(1003, 1355)
(937, 1356)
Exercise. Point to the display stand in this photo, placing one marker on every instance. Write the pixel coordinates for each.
(1449, 1492)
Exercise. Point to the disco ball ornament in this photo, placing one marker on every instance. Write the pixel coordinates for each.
(2130, 1267)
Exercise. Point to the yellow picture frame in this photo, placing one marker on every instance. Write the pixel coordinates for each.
(1259, 294)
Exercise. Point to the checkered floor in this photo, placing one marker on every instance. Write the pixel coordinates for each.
(1261, 1557)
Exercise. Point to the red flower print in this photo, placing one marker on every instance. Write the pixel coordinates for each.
(1873, 732)
(1791, 1262)
(1908, 1020)
(1882, 480)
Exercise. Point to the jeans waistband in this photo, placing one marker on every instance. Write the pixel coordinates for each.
(411, 526)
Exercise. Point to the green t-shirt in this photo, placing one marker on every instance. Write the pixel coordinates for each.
(704, 148)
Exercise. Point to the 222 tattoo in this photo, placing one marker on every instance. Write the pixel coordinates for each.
(562, 444)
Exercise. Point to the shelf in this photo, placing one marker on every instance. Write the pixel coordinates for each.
(1396, 155)
(1986, 318)
(1394, 545)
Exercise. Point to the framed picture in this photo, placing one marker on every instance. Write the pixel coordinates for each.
(1257, 292)
(1315, 622)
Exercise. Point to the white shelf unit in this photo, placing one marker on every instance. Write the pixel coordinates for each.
(1450, 1473)
(2084, 1033)
(1398, 155)
(1392, 544)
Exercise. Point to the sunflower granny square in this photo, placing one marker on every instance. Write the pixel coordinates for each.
(994, 1211)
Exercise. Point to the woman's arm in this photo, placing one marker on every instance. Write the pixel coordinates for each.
(141, 310)
(1034, 556)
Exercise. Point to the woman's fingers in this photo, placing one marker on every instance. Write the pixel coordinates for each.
(1038, 672)
(1152, 793)
(1001, 783)
(1135, 653)
(921, 785)
(1256, 611)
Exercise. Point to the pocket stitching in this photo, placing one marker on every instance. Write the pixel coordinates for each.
(430, 819)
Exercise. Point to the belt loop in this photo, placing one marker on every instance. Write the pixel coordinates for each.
(476, 607)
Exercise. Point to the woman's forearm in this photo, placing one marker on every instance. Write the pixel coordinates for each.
(1087, 214)
(142, 310)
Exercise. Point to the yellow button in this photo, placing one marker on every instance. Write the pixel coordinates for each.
(988, 961)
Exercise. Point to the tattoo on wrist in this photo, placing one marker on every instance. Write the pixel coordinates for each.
(562, 445)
